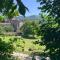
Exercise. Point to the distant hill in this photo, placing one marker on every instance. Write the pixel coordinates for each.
(33, 17)
(19, 18)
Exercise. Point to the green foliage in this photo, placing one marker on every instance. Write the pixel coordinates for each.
(9, 44)
(1, 30)
(2, 18)
(13, 14)
(52, 7)
(21, 44)
(4, 29)
(5, 47)
(8, 6)
(30, 28)
(50, 37)
(51, 32)
(8, 28)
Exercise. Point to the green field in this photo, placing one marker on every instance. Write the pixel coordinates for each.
(23, 45)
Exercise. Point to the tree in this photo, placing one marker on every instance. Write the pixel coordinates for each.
(51, 35)
(30, 28)
(2, 18)
(50, 32)
(8, 6)
(50, 6)
(13, 14)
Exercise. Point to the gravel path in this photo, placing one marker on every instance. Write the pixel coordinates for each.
(22, 56)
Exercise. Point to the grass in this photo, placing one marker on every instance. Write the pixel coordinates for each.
(23, 45)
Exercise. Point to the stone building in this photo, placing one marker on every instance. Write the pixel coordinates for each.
(15, 23)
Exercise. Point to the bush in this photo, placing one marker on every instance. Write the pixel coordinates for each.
(4, 29)
(8, 28)
(6, 48)
(30, 29)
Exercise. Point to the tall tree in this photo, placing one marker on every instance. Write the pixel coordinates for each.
(51, 34)
(52, 7)
(30, 28)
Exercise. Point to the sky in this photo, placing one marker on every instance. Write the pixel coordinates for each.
(32, 5)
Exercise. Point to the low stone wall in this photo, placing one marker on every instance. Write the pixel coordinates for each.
(10, 33)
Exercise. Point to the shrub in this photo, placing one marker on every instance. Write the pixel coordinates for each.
(6, 48)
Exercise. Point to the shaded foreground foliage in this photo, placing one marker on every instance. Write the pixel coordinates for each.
(52, 41)
(5, 50)
(8, 7)
(51, 33)
(9, 44)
